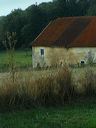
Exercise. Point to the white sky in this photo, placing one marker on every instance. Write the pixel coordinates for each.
(6, 6)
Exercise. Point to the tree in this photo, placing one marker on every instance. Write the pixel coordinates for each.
(84, 6)
(35, 23)
(30, 22)
(92, 10)
(14, 23)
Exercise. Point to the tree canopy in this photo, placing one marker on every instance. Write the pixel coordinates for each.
(30, 22)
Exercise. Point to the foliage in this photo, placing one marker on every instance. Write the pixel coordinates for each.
(30, 22)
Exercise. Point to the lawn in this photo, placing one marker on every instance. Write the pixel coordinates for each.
(75, 115)
(22, 59)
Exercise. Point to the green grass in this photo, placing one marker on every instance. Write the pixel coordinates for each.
(21, 59)
(76, 115)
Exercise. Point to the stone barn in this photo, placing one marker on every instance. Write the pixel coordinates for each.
(70, 40)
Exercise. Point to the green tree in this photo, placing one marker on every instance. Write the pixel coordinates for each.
(35, 23)
(92, 10)
(29, 23)
(14, 22)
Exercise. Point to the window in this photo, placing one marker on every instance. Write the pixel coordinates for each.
(42, 52)
(82, 62)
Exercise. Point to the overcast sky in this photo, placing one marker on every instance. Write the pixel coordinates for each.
(6, 6)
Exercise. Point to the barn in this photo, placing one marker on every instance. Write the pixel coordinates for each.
(68, 40)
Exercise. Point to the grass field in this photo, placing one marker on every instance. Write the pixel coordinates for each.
(79, 113)
(22, 59)
(76, 115)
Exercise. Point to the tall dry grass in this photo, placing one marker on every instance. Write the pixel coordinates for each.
(48, 89)
(89, 82)
(54, 88)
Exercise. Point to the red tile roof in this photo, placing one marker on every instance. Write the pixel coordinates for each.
(69, 32)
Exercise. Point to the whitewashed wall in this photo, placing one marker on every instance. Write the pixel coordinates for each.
(57, 55)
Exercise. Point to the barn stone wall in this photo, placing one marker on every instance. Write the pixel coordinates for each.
(59, 56)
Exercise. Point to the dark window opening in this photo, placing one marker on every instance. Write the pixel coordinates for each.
(82, 62)
(42, 52)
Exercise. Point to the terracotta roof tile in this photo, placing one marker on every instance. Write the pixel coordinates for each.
(69, 32)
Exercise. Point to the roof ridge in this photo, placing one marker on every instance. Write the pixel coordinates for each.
(60, 18)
